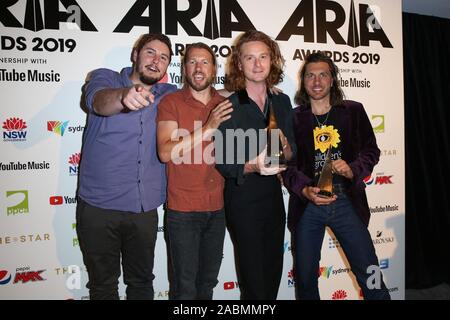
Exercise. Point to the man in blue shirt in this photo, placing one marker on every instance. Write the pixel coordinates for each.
(122, 182)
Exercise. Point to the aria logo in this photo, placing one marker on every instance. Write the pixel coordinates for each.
(57, 127)
(74, 161)
(14, 130)
(37, 19)
(378, 123)
(150, 14)
(18, 201)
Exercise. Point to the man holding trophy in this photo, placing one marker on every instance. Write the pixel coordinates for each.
(337, 150)
(254, 205)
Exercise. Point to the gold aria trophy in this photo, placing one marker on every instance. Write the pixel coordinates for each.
(325, 182)
(275, 154)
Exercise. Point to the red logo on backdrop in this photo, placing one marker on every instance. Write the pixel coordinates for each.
(228, 285)
(339, 295)
(4, 278)
(56, 200)
(75, 159)
(27, 276)
(291, 274)
(14, 124)
(378, 180)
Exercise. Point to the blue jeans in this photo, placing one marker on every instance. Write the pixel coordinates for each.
(353, 237)
(196, 250)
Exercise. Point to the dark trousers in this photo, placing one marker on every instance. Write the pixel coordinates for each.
(256, 221)
(354, 239)
(106, 237)
(196, 250)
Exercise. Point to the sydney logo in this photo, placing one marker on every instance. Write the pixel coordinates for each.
(57, 127)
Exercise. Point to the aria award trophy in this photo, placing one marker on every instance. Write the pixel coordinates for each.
(326, 177)
(275, 155)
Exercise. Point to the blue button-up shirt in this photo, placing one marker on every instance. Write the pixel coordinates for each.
(119, 167)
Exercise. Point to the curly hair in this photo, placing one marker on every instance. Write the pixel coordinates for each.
(235, 79)
(336, 93)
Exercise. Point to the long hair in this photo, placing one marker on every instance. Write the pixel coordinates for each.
(336, 93)
(146, 38)
(235, 79)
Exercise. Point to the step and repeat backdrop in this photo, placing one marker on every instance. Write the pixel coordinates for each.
(47, 49)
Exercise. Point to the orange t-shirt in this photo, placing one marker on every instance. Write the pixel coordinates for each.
(194, 184)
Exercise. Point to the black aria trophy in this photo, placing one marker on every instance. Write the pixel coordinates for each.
(325, 182)
(275, 154)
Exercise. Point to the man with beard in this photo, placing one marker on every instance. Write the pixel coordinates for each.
(187, 120)
(122, 182)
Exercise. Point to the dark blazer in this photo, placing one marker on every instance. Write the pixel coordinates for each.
(247, 115)
(359, 149)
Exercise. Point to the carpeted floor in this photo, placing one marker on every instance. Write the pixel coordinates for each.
(440, 292)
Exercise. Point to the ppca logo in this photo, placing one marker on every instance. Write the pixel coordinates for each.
(17, 202)
(378, 123)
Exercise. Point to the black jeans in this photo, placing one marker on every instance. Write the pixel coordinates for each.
(256, 223)
(106, 237)
(196, 250)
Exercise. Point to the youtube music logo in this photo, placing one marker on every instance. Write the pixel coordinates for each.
(56, 200)
(59, 200)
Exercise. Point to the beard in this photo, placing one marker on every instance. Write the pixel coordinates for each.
(199, 87)
(148, 80)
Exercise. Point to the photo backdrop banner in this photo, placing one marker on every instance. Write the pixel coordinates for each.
(48, 47)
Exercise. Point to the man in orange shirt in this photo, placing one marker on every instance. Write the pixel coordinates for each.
(186, 122)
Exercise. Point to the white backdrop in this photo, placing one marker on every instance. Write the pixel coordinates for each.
(43, 63)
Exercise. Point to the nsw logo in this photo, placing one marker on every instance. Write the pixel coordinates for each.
(339, 295)
(74, 161)
(17, 202)
(14, 130)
